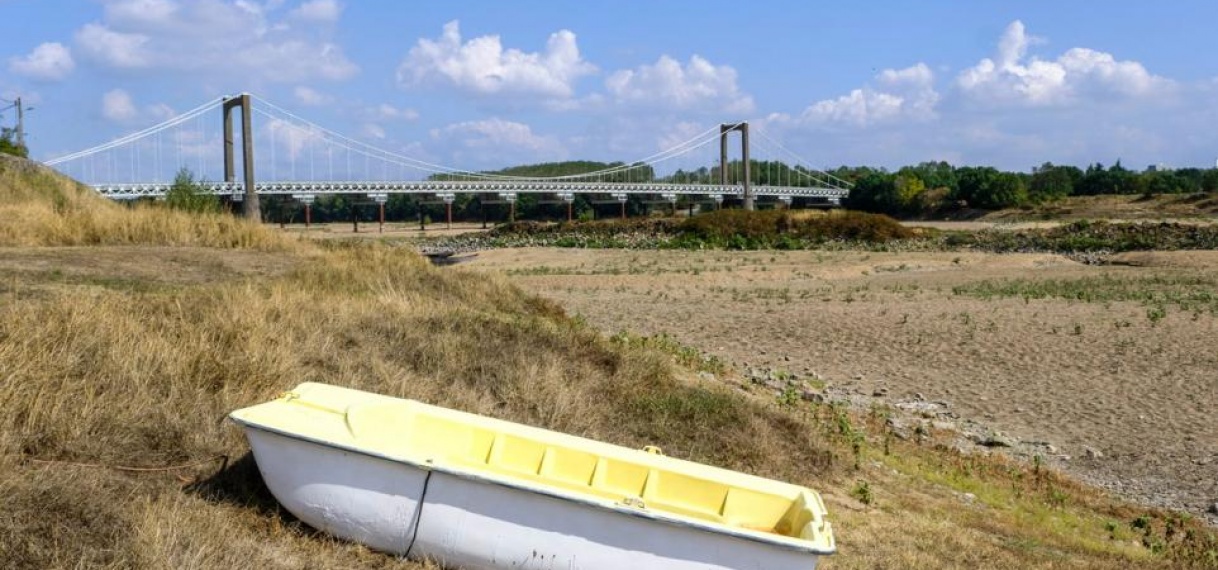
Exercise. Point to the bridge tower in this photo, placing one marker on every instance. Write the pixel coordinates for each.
(250, 206)
(724, 130)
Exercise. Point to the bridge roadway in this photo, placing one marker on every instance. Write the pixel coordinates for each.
(505, 189)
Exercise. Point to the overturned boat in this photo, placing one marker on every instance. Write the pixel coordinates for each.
(469, 491)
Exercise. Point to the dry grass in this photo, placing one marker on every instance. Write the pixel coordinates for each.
(143, 376)
(40, 208)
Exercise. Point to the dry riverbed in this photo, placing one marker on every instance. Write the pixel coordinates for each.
(1108, 372)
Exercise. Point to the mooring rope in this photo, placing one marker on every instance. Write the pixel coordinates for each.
(222, 458)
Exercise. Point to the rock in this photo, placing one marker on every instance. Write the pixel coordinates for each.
(880, 392)
(997, 439)
(919, 397)
(811, 396)
(1213, 510)
(1092, 453)
(969, 498)
(943, 426)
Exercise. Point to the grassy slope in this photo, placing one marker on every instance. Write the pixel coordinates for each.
(99, 372)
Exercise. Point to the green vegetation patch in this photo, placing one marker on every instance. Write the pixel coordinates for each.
(1187, 293)
(1088, 236)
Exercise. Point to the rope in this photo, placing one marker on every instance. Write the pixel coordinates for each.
(222, 458)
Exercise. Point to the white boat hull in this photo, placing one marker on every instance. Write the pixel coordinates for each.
(472, 523)
(350, 495)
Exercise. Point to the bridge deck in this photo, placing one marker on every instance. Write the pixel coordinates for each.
(507, 189)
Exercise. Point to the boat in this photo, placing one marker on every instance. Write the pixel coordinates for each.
(469, 491)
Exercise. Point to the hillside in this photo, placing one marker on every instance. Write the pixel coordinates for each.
(127, 334)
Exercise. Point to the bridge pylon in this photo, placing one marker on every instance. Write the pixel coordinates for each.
(724, 130)
(250, 207)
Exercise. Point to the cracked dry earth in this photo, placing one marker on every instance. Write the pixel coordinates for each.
(1116, 390)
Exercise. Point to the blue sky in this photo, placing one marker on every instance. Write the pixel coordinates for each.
(490, 84)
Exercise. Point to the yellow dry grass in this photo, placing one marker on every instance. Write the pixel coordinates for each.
(95, 375)
(40, 208)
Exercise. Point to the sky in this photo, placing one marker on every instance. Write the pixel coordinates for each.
(481, 85)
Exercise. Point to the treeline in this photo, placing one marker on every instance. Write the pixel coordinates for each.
(927, 189)
(936, 187)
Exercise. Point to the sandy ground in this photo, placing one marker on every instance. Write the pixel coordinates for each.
(1115, 396)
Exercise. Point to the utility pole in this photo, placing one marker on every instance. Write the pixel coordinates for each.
(20, 124)
(21, 109)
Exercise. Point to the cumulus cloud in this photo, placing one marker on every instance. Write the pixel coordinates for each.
(698, 84)
(309, 96)
(1012, 77)
(50, 61)
(118, 106)
(291, 139)
(907, 93)
(215, 37)
(372, 131)
(385, 111)
(322, 11)
(496, 142)
(481, 65)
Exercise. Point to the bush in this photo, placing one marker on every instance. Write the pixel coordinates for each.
(742, 229)
(189, 196)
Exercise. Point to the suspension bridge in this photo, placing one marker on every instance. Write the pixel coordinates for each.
(301, 159)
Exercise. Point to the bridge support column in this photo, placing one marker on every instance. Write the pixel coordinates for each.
(746, 180)
(250, 207)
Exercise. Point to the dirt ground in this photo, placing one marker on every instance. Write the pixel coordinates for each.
(1117, 391)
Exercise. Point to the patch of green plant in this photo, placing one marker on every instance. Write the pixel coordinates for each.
(684, 355)
(1187, 293)
(862, 492)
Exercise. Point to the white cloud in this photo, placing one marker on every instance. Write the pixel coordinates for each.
(678, 134)
(50, 61)
(309, 96)
(215, 38)
(1079, 74)
(482, 65)
(901, 94)
(373, 131)
(698, 84)
(294, 140)
(496, 143)
(113, 49)
(117, 106)
(322, 11)
(386, 111)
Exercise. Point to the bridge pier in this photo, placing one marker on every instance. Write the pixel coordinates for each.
(250, 206)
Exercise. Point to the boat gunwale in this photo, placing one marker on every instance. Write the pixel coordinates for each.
(784, 541)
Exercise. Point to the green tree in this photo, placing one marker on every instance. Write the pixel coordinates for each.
(909, 191)
(1209, 180)
(875, 192)
(188, 195)
(1051, 182)
(8, 144)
